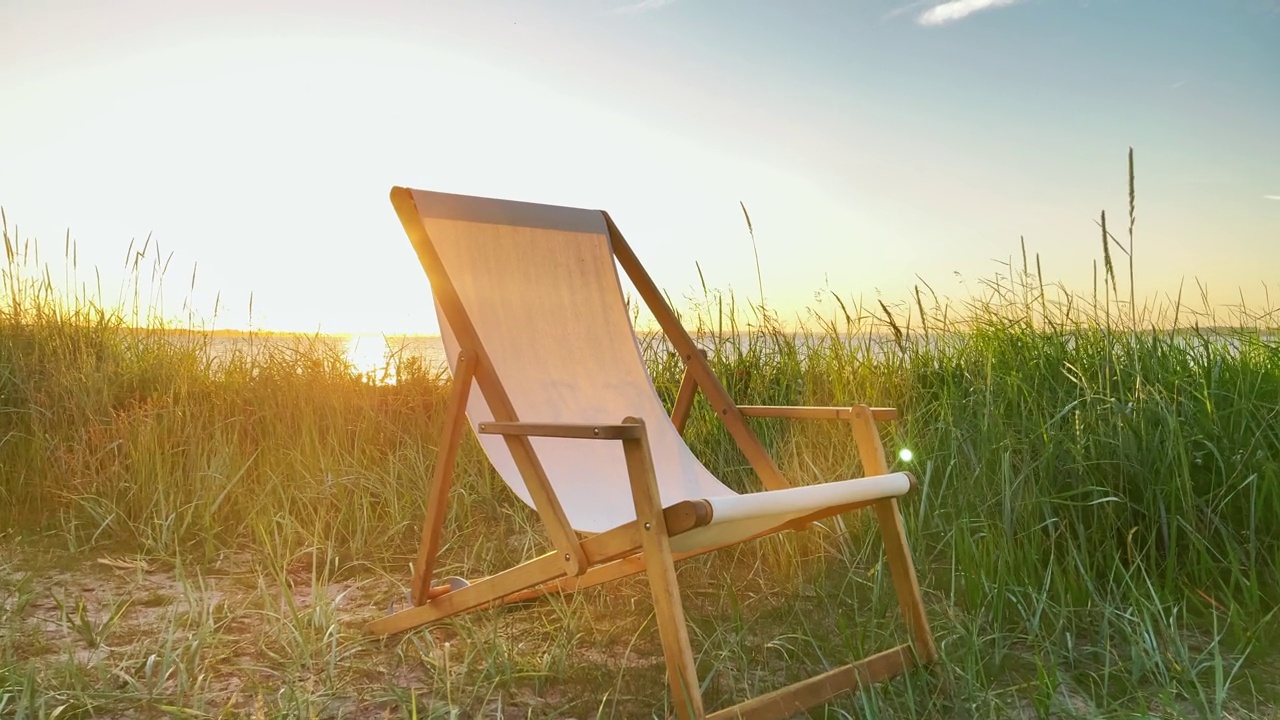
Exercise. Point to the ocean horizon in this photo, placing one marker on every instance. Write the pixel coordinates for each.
(377, 354)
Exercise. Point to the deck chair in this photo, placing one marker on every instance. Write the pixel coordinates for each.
(548, 373)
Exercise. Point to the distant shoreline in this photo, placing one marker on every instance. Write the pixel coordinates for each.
(226, 334)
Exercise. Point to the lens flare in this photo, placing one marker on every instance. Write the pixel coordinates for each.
(905, 455)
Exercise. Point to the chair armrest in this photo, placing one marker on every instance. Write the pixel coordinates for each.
(800, 412)
(581, 431)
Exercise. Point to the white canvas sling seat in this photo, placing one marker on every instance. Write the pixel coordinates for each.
(548, 373)
(542, 291)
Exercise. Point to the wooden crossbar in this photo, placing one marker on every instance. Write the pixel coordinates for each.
(819, 689)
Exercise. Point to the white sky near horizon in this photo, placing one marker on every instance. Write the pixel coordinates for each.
(873, 143)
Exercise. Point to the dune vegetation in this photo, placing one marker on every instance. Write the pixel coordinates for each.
(193, 533)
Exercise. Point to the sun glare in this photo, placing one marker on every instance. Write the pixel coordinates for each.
(368, 355)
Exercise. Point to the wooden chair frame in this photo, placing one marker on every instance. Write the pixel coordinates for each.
(643, 545)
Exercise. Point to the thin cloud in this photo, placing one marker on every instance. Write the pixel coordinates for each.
(949, 12)
(1271, 197)
(1177, 85)
(644, 6)
(910, 7)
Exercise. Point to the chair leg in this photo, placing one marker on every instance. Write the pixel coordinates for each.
(455, 418)
(682, 673)
(905, 581)
(892, 532)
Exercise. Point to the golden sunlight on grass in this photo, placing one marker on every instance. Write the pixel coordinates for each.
(202, 528)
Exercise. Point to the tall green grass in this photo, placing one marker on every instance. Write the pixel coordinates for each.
(1095, 526)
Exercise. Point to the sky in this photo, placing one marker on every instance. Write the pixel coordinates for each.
(875, 143)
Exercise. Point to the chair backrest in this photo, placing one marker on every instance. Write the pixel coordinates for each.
(540, 287)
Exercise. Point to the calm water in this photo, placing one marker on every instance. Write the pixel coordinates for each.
(366, 353)
(371, 353)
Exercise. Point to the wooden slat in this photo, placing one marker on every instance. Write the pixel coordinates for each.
(455, 416)
(482, 592)
(816, 690)
(724, 406)
(598, 575)
(682, 674)
(561, 430)
(540, 491)
(683, 405)
(894, 535)
(802, 412)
